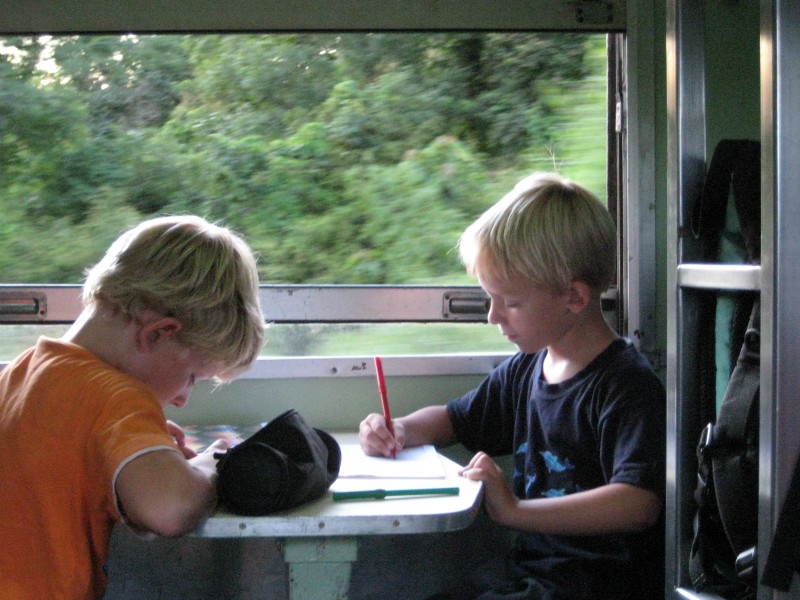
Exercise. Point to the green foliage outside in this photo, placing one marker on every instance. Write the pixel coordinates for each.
(351, 158)
(342, 158)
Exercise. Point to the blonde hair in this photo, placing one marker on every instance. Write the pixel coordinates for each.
(548, 229)
(202, 274)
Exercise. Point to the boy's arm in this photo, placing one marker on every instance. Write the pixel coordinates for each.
(428, 425)
(612, 508)
(163, 493)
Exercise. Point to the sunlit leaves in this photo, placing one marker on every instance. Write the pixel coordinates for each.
(342, 157)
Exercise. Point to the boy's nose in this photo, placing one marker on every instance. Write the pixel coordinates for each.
(180, 401)
(495, 315)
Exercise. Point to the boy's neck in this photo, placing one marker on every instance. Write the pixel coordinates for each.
(104, 335)
(576, 349)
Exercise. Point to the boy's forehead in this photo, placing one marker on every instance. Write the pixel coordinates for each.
(495, 282)
(514, 284)
(205, 366)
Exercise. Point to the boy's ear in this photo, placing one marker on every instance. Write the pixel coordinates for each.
(579, 296)
(156, 330)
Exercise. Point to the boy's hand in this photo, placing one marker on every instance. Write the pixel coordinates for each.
(206, 462)
(376, 439)
(180, 438)
(500, 499)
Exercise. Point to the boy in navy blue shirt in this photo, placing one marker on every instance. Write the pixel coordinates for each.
(578, 407)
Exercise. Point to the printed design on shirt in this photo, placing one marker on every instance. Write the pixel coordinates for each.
(554, 465)
(519, 458)
(522, 481)
(530, 484)
(559, 468)
(522, 450)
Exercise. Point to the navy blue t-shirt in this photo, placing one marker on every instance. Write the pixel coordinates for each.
(604, 425)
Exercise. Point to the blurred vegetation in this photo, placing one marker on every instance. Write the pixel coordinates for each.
(342, 158)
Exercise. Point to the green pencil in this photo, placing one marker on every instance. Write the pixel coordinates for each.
(381, 494)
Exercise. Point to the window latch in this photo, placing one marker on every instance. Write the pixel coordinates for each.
(22, 307)
(465, 306)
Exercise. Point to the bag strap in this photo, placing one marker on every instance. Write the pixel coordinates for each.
(735, 457)
(726, 519)
(735, 166)
(734, 169)
(742, 390)
(711, 559)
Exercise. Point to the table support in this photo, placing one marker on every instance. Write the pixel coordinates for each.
(318, 568)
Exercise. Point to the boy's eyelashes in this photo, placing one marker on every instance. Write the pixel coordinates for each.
(504, 303)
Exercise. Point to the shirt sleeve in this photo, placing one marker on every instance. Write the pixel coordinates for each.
(632, 429)
(132, 424)
(485, 418)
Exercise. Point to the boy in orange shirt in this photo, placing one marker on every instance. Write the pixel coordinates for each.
(85, 439)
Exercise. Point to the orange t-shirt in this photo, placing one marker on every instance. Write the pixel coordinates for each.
(68, 423)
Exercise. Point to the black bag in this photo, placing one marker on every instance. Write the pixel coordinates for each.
(734, 170)
(285, 464)
(722, 557)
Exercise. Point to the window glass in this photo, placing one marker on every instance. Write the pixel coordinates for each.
(394, 338)
(325, 339)
(343, 158)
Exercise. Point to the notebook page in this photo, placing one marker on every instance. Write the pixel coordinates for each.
(421, 462)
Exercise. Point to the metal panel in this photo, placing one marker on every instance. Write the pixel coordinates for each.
(720, 277)
(372, 303)
(780, 216)
(296, 304)
(289, 303)
(638, 252)
(91, 16)
(692, 595)
(685, 171)
(361, 366)
(776, 279)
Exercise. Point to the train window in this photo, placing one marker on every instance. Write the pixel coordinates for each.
(349, 161)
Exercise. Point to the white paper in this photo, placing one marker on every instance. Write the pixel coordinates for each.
(420, 462)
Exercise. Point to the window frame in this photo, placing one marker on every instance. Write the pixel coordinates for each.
(629, 305)
(149, 16)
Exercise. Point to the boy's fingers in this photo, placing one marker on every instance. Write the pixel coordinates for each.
(375, 438)
(218, 446)
(186, 451)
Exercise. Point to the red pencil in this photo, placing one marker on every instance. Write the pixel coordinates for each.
(384, 398)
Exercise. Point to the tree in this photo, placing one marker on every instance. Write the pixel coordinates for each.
(129, 81)
(342, 157)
